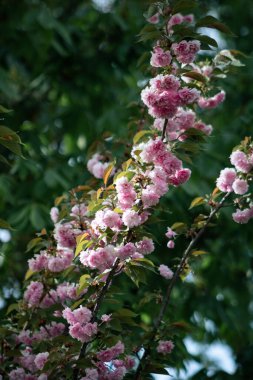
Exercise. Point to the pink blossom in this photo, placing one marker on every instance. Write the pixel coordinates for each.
(175, 19)
(111, 353)
(186, 51)
(131, 218)
(129, 362)
(106, 318)
(171, 244)
(83, 333)
(154, 19)
(65, 235)
(188, 95)
(207, 129)
(165, 346)
(160, 58)
(33, 293)
(41, 359)
(79, 210)
(181, 176)
(96, 166)
(54, 214)
(242, 216)
(165, 271)
(17, 374)
(149, 197)
(126, 250)
(240, 186)
(39, 262)
(82, 314)
(125, 192)
(226, 179)
(170, 233)
(211, 102)
(166, 82)
(145, 246)
(111, 219)
(91, 374)
(240, 161)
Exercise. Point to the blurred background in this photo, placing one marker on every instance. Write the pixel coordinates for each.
(71, 73)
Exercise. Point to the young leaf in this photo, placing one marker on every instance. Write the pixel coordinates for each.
(108, 172)
(198, 252)
(197, 202)
(213, 22)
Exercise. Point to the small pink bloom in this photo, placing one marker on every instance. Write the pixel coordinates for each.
(154, 19)
(240, 186)
(165, 272)
(165, 346)
(41, 359)
(226, 179)
(171, 244)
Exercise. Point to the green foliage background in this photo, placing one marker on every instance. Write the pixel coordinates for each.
(70, 73)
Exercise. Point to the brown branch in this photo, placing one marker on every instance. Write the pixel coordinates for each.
(164, 129)
(167, 296)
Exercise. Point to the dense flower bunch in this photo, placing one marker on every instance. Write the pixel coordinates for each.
(237, 181)
(100, 234)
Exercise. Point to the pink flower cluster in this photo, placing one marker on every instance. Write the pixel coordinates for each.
(160, 58)
(170, 234)
(186, 51)
(236, 180)
(33, 293)
(96, 166)
(165, 346)
(178, 19)
(65, 234)
(165, 272)
(62, 260)
(125, 193)
(212, 102)
(164, 95)
(80, 326)
(167, 167)
(183, 120)
(49, 331)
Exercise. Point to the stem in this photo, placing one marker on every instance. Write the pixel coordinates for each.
(167, 296)
(164, 129)
(99, 301)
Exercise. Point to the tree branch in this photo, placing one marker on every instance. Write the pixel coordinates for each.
(167, 296)
(164, 129)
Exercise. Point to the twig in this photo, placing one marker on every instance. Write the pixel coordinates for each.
(166, 298)
(164, 128)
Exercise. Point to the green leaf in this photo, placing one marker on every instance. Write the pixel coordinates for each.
(32, 243)
(140, 134)
(80, 240)
(213, 22)
(5, 225)
(197, 202)
(13, 146)
(125, 313)
(108, 172)
(4, 110)
(4, 160)
(84, 282)
(179, 227)
(184, 5)
(12, 307)
(207, 40)
(194, 75)
(198, 252)
(29, 273)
